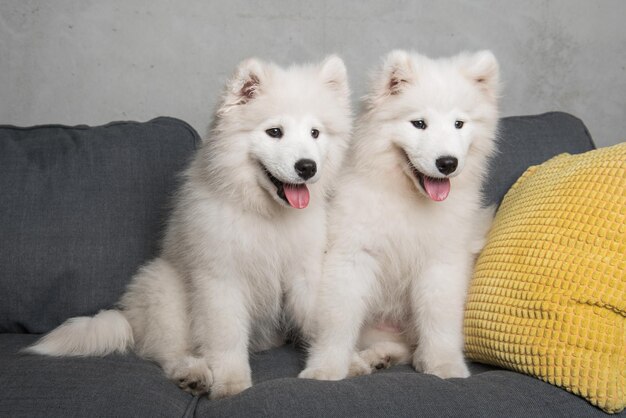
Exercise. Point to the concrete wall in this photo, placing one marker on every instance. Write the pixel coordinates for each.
(93, 61)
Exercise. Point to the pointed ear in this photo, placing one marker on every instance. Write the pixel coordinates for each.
(334, 74)
(245, 84)
(398, 72)
(483, 69)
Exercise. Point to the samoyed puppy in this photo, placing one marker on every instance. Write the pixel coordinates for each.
(242, 253)
(407, 219)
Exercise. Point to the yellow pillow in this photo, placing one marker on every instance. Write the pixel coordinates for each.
(548, 296)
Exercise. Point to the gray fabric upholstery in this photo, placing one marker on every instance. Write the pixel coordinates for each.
(116, 385)
(81, 209)
(128, 386)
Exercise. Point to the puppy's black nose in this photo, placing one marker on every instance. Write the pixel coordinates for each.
(446, 165)
(306, 168)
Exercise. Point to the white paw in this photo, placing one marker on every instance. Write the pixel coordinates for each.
(444, 370)
(192, 374)
(230, 384)
(358, 366)
(375, 359)
(229, 388)
(321, 373)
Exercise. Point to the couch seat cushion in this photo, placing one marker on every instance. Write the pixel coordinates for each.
(115, 385)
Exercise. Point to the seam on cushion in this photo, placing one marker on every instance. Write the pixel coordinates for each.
(592, 145)
(75, 127)
(190, 411)
(196, 137)
(194, 134)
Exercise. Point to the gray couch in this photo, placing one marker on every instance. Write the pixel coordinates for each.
(82, 207)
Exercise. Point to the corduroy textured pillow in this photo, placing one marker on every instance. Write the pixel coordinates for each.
(548, 296)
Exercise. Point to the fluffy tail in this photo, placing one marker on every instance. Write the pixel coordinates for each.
(104, 333)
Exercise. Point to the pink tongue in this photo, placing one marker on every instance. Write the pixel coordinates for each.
(437, 189)
(297, 195)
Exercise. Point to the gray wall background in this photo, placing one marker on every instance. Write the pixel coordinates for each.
(91, 62)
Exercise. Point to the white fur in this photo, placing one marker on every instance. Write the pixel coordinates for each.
(397, 259)
(238, 263)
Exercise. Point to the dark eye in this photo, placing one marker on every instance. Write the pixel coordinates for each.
(419, 124)
(459, 124)
(315, 133)
(275, 132)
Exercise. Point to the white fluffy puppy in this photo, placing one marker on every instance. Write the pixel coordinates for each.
(242, 252)
(407, 219)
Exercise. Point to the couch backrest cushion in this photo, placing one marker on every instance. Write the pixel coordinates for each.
(80, 209)
(530, 140)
